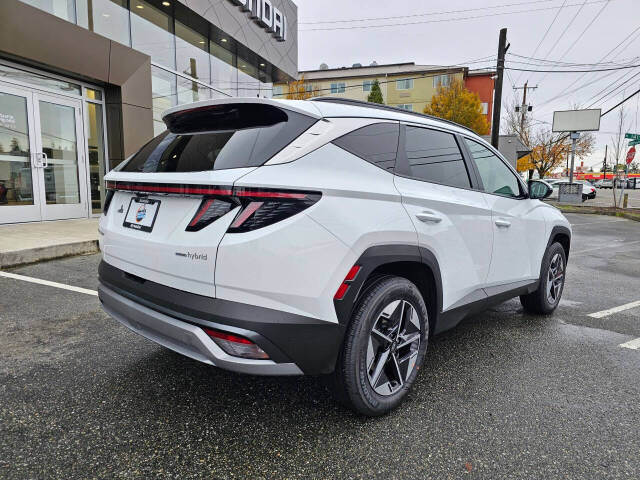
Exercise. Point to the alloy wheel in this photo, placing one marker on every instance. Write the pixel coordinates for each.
(393, 347)
(555, 279)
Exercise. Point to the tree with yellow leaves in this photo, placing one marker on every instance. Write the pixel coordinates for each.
(299, 90)
(459, 105)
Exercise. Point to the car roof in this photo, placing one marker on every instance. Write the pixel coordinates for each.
(326, 107)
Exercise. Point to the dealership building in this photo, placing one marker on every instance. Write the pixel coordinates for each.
(83, 84)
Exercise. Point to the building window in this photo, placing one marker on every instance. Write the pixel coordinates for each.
(152, 33)
(485, 108)
(191, 53)
(366, 85)
(109, 18)
(278, 91)
(95, 142)
(163, 87)
(64, 9)
(224, 76)
(405, 106)
(338, 87)
(441, 80)
(404, 84)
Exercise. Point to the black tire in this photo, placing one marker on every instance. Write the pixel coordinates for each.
(540, 301)
(364, 349)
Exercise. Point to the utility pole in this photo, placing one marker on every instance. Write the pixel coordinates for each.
(604, 164)
(497, 99)
(524, 108)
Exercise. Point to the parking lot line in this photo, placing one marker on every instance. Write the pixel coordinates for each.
(48, 283)
(611, 311)
(632, 344)
(613, 244)
(598, 223)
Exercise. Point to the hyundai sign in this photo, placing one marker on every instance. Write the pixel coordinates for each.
(266, 15)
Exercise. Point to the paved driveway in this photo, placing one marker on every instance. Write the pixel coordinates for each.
(503, 395)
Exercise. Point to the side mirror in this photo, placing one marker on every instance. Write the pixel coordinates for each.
(539, 189)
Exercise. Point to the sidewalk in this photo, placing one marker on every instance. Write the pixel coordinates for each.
(32, 242)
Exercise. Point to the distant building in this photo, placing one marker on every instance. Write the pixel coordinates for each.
(404, 85)
(511, 147)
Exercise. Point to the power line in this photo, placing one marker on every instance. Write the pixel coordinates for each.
(424, 14)
(560, 63)
(573, 71)
(567, 65)
(612, 91)
(604, 56)
(547, 32)
(353, 27)
(566, 28)
(621, 102)
(585, 29)
(582, 33)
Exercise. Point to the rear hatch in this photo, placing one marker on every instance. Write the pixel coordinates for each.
(170, 204)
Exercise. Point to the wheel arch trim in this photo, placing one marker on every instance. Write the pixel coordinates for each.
(378, 256)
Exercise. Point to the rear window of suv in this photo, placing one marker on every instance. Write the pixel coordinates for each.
(220, 137)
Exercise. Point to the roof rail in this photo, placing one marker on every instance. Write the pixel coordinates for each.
(378, 106)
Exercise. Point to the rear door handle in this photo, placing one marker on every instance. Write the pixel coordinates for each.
(428, 217)
(501, 222)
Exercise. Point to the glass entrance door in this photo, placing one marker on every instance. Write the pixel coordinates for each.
(60, 157)
(19, 193)
(42, 158)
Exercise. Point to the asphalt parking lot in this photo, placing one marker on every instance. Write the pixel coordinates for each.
(604, 198)
(503, 395)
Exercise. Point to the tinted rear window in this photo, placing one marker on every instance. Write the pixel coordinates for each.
(434, 156)
(228, 136)
(377, 144)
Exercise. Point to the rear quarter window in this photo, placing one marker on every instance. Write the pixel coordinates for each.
(377, 144)
(235, 136)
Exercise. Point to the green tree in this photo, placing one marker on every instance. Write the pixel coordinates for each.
(375, 95)
(459, 105)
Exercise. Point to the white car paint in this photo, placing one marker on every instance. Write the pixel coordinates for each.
(296, 265)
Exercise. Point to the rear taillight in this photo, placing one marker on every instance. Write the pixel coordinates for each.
(209, 211)
(259, 207)
(236, 345)
(107, 201)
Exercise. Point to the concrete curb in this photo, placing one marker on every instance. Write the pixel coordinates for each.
(33, 255)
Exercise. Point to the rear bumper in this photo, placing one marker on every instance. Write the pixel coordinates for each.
(173, 318)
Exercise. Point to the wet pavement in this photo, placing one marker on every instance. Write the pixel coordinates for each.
(503, 395)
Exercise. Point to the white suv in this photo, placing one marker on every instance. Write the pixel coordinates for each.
(330, 236)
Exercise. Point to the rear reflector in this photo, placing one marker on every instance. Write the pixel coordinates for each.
(235, 345)
(344, 286)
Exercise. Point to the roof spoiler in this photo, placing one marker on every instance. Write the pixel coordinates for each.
(298, 106)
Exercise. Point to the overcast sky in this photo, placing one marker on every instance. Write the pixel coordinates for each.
(447, 41)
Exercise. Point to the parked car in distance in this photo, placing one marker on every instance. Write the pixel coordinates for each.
(328, 236)
(588, 191)
(604, 183)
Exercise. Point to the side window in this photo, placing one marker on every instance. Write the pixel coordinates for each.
(434, 156)
(377, 144)
(496, 176)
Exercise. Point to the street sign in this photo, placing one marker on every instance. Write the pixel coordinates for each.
(630, 154)
(634, 142)
(632, 136)
(576, 120)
